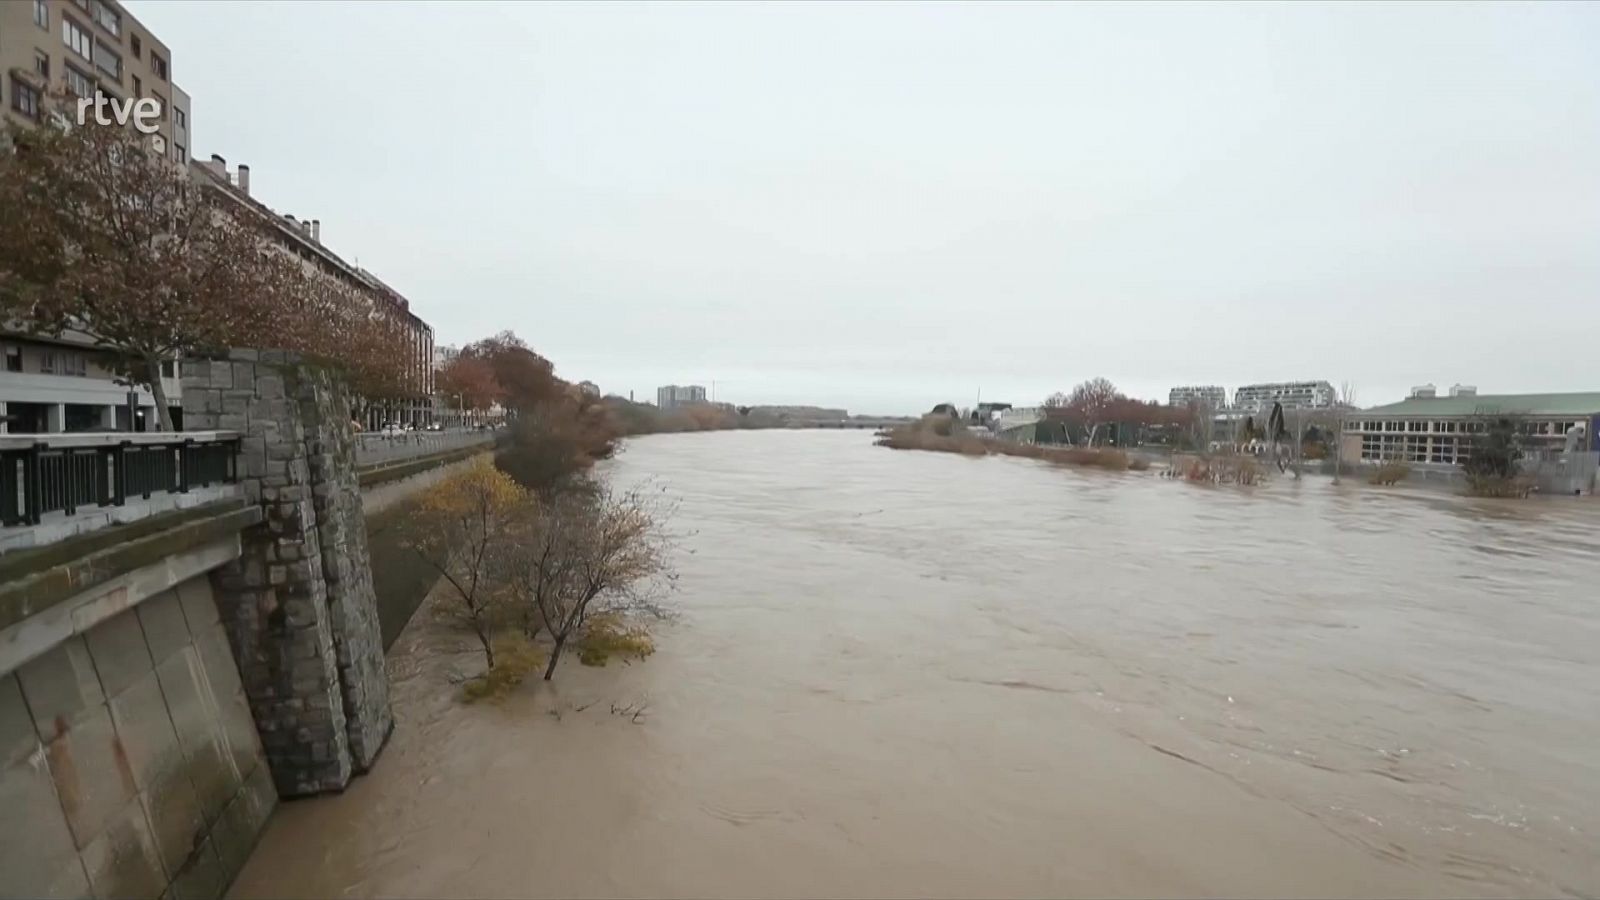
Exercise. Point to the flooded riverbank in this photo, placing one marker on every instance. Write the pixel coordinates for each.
(922, 674)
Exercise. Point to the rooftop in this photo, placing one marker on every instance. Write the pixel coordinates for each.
(1574, 404)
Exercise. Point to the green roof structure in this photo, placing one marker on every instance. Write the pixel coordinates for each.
(1582, 404)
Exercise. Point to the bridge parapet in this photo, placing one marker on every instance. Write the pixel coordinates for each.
(55, 486)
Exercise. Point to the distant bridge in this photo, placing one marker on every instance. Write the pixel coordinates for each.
(860, 422)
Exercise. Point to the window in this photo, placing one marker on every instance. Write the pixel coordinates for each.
(107, 18)
(75, 38)
(108, 61)
(13, 358)
(160, 101)
(79, 83)
(62, 362)
(138, 87)
(135, 47)
(158, 66)
(41, 64)
(179, 118)
(41, 14)
(166, 368)
(180, 152)
(24, 99)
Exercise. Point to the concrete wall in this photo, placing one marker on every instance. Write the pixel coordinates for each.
(130, 764)
(298, 603)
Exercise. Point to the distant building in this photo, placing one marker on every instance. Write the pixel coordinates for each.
(673, 396)
(1292, 394)
(590, 388)
(444, 355)
(1212, 395)
(1427, 428)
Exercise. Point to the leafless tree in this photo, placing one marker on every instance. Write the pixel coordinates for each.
(587, 554)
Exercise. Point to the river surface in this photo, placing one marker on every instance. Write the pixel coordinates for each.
(899, 673)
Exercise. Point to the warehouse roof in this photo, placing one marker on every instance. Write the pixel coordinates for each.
(1576, 404)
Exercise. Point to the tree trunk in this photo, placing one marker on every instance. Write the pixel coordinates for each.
(158, 392)
(488, 645)
(555, 657)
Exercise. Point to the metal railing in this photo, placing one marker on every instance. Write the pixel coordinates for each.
(377, 447)
(47, 473)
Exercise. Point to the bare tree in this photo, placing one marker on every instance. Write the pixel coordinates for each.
(587, 555)
(465, 532)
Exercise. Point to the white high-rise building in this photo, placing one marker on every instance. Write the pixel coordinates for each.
(1292, 394)
(672, 396)
(1212, 395)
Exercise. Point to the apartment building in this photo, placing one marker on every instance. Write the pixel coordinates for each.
(85, 46)
(1214, 396)
(303, 238)
(673, 396)
(64, 382)
(1292, 394)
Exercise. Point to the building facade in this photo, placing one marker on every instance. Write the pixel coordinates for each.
(1292, 394)
(1432, 430)
(1212, 395)
(66, 383)
(63, 382)
(85, 46)
(672, 396)
(303, 239)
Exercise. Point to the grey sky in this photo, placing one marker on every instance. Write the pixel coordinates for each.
(888, 206)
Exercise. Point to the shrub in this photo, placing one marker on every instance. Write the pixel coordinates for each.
(1389, 473)
(515, 656)
(1499, 486)
(607, 636)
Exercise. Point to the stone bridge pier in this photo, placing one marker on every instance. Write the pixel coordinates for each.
(189, 626)
(298, 603)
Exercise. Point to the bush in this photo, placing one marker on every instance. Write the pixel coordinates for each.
(607, 636)
(514, 657)
(1389, 473)
(1498, 486)
(1227, 469)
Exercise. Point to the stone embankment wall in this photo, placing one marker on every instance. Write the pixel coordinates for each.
(298, 604)
(130, 763)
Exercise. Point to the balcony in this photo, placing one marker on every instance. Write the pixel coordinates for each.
(55, 486)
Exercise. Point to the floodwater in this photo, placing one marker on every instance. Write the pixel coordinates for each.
(898, 673)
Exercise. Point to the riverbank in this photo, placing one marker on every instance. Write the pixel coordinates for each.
(922, 675)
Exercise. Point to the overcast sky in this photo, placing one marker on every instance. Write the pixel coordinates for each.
(887, 206)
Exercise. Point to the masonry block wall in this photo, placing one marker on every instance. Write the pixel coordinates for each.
(298, 603)
(129, 764)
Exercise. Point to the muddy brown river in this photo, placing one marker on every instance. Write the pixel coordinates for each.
(918, 674)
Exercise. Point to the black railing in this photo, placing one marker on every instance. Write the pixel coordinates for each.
(41, 474)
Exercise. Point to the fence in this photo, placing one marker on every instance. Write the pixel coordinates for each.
(375, 448)
(49, 473)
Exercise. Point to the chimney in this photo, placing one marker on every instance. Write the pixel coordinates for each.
(316, 230)
(244, 179)
(305, 227)
(218, 167)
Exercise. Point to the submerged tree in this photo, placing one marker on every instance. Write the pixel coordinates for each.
(589, 559)
(465, 532)
(1494, 461)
